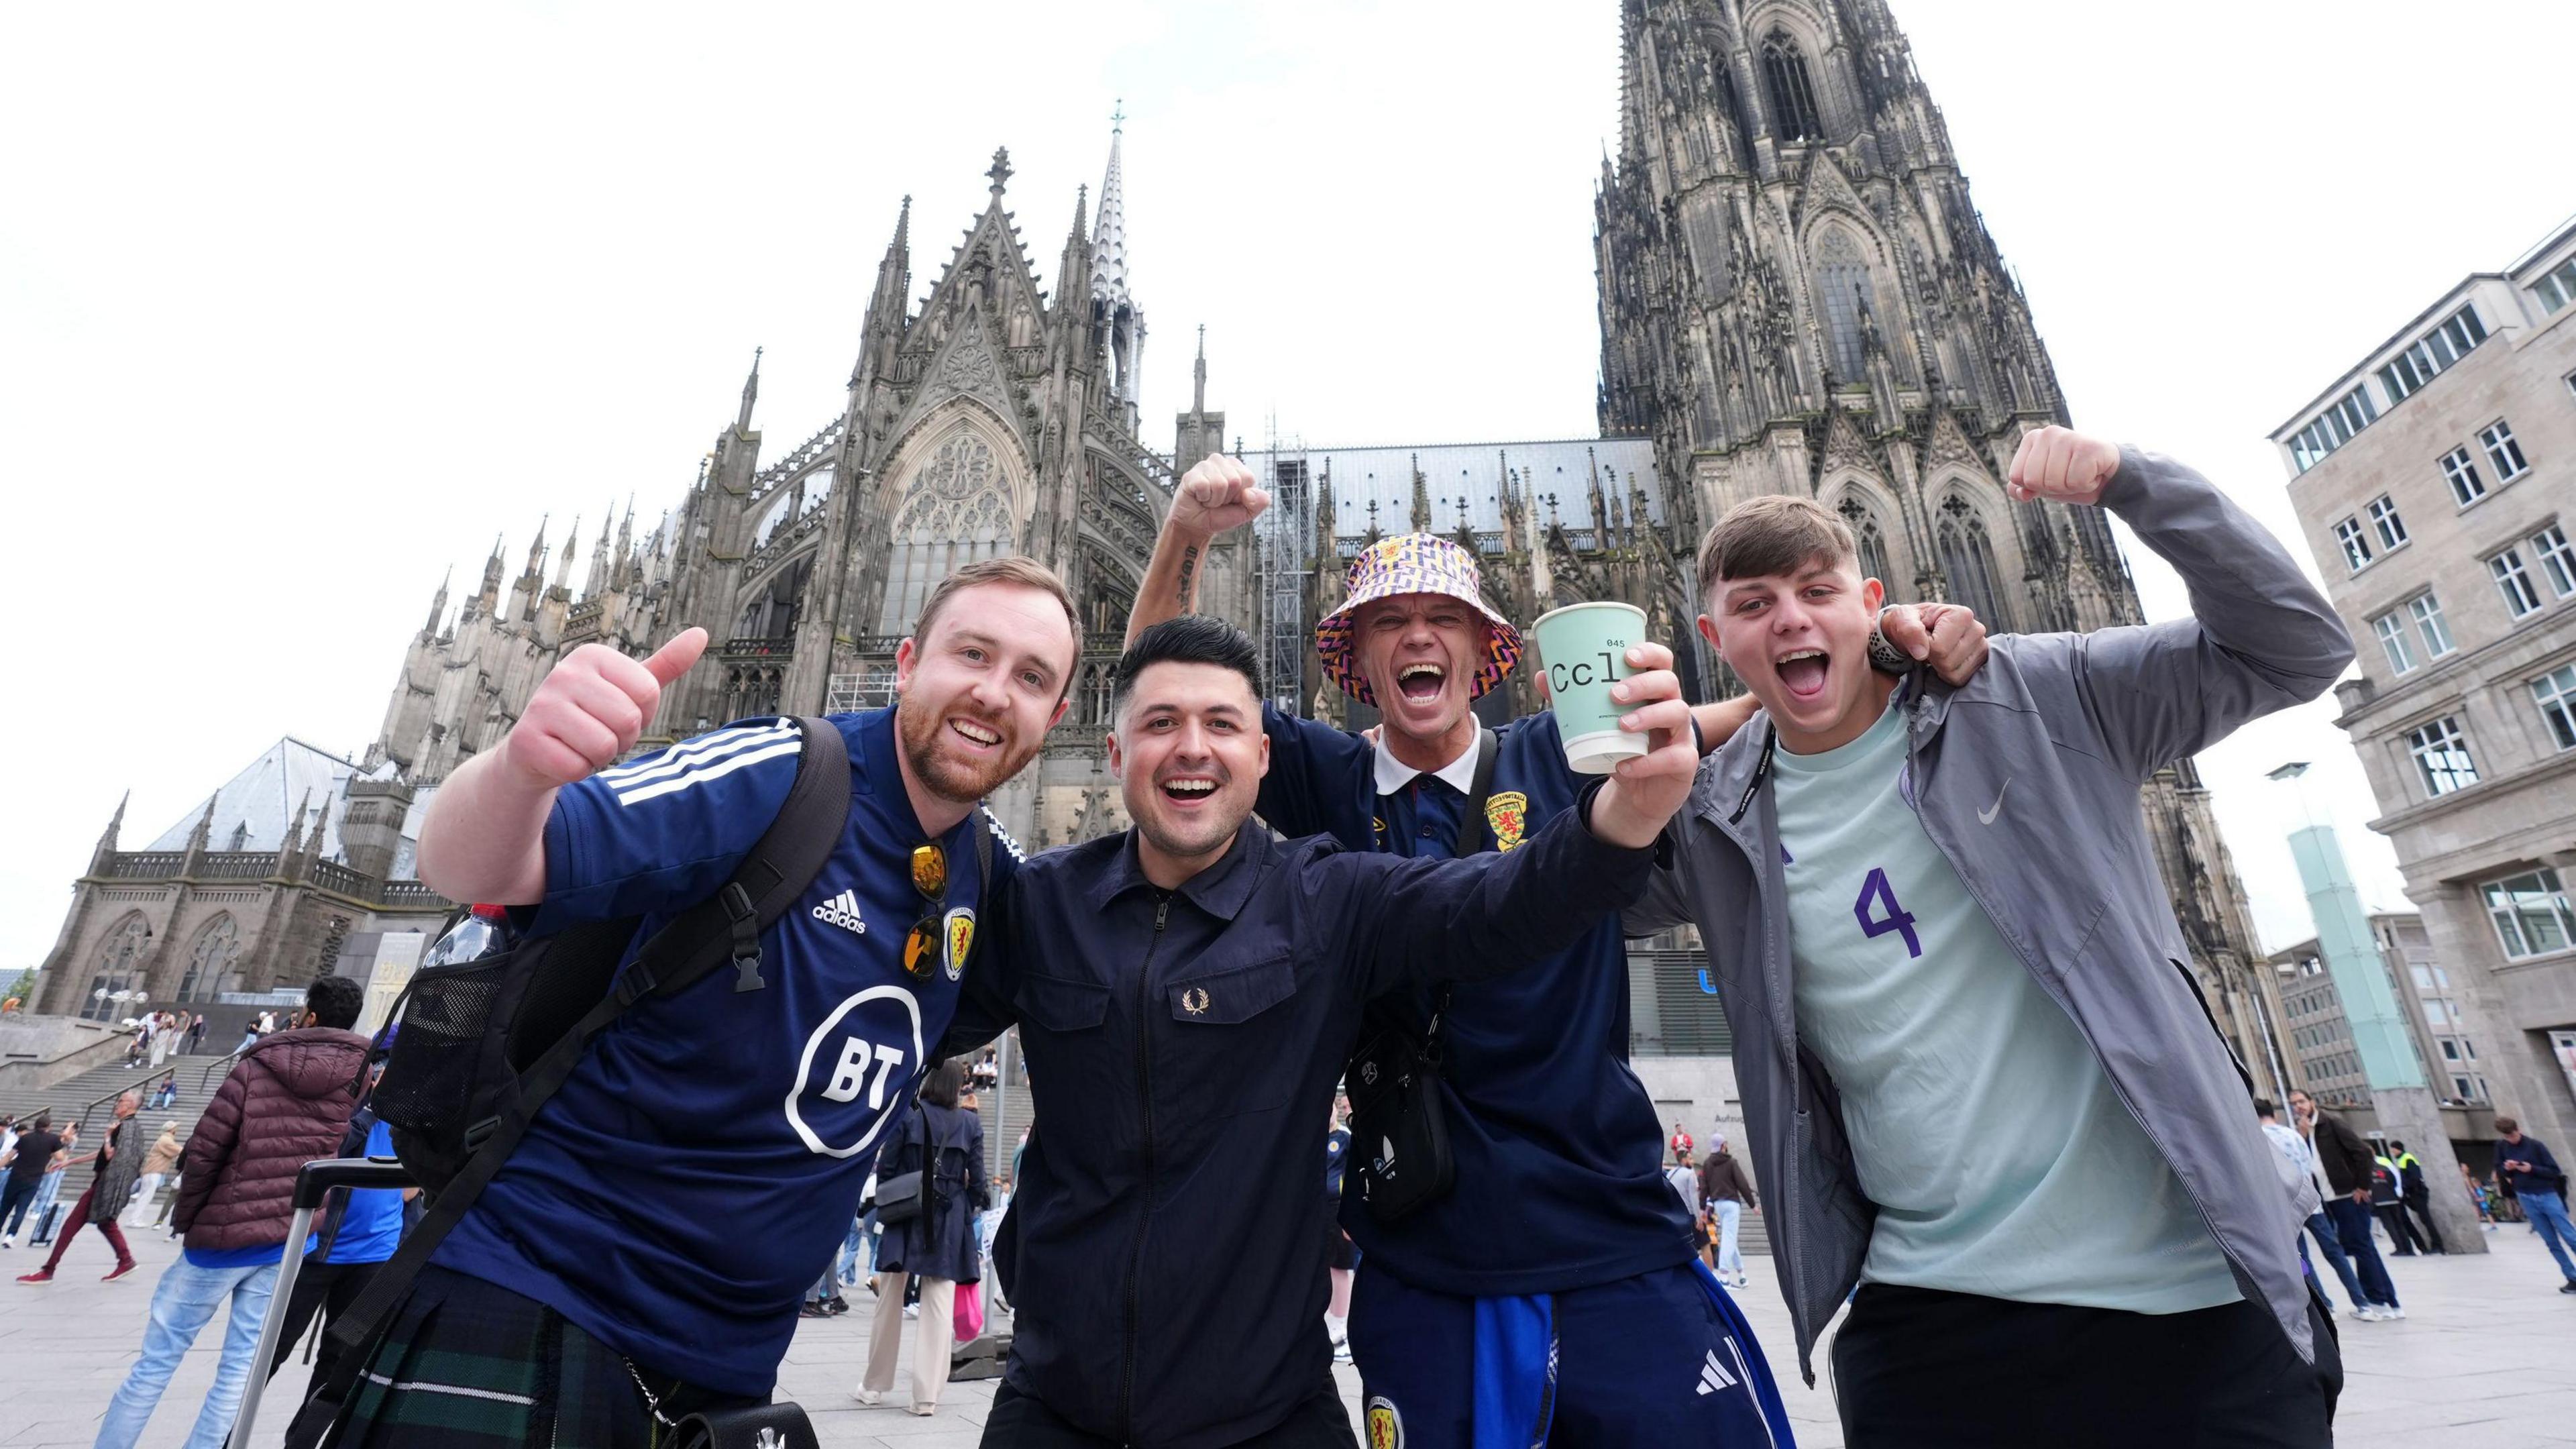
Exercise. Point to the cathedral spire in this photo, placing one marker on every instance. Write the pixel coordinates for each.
(882, 329)
(1109, 230)
(1198, 375)
(750, 394)
(563, 562)
(107, 841)
(537, 549)
(438, 604)
(599, 558)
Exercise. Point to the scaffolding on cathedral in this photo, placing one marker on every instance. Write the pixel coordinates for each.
(1285, 536)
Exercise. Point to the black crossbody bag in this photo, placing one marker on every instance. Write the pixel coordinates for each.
(1398, 1125)
(899, 1196)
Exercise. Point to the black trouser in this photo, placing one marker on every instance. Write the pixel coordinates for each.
(1018, 1421)
(325, 1288)
(2420, 1203)
(2402, 1237)
(15, 1194)
(1915, 1369)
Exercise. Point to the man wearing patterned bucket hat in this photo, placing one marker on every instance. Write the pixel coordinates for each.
(1552, 1292)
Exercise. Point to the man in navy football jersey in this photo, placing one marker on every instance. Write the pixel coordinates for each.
(642, 1253)
(1553, 1295)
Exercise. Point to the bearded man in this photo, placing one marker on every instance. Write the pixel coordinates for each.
(641, 1255)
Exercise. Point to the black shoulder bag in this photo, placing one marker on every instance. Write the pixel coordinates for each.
(899, 1196)
(1398, 1126)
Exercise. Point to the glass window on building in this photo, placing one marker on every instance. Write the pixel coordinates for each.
(2521, 596)
(2557, 559)
(2383, 517)
(2461, 472)
(2354, 543)
(2502, 451)
(2430, 623)
(2557, 287)
(2442, 755)
(2530, 912)
(2555, 693)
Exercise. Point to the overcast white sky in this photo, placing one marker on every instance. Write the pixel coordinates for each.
(298, 304)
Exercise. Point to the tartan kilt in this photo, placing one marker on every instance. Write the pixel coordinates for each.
(466, 1363)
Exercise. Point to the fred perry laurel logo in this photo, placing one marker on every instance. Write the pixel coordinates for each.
(842, 911)
(1195, 1001)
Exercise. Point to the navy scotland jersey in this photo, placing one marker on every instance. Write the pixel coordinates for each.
(680, 1192)
(1559, 1152)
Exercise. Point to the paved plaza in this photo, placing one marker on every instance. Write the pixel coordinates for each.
(2485, 1360)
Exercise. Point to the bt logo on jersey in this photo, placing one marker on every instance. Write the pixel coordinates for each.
(869, 1046)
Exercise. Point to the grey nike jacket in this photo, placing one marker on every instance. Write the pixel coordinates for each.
(2027, 779)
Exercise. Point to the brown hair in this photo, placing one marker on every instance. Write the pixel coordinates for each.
(1772, 534)
(1013, 568)
(2507, 1126)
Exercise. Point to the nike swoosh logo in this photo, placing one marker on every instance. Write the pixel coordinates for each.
(1987, 815)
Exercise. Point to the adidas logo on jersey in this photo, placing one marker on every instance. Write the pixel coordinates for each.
(1713, 1375)
(842, 911)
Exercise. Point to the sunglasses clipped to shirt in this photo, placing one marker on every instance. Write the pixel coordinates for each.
(921, 947)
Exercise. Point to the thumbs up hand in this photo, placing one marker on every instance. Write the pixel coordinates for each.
(591, 709)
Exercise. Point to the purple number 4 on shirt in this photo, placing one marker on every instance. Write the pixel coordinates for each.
(1875, 887)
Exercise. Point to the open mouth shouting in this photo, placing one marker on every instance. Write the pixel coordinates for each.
(1802, 672)
(1188, 790)
(1421, 680)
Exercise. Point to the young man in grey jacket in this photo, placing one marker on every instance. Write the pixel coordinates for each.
(1978, 1078)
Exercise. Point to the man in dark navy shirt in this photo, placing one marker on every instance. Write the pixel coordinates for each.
(1188, 992)
(1553, 1292)
(642, 1253)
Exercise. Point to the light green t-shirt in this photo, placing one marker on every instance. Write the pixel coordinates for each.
(2002, 1162)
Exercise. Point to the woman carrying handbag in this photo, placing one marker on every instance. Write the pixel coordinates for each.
(930, 1185)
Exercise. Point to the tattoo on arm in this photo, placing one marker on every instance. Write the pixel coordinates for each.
(1189, 575)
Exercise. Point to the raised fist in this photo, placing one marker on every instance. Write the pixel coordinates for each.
(1217, 493)
(2061, 465)
(591, 707)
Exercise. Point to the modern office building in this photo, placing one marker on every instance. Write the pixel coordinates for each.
(2436, 483)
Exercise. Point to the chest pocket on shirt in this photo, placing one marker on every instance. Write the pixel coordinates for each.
(1236, 1047)
(1061, 1005)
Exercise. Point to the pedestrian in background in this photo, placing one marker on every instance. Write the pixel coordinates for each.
(2388, 1204)
(945, 1144)
(26, 1159)
(286, 1103)
(1725, 1185)
(120, 1162)
(157, 1164)
(2541, 1187)
(50, 1186)
(2346, 1160)
(2416, 1194)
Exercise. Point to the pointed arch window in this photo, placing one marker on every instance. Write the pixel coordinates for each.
(1868, 539)
(956, 512)
(1843, 296)
(1793, 97)
(119, 969)
(1968, 563)
(209, 957)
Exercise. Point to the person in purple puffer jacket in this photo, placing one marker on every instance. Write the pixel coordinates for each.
(286, 1103)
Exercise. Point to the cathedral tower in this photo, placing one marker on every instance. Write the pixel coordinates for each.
(1798, 296)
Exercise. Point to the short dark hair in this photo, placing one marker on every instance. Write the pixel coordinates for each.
(335, 1001)
(2505, 1125)
(1188, 639)
(945, 1081)
(1775, 533)
(2263, 1108)
(1010, 568)
(45, 1120)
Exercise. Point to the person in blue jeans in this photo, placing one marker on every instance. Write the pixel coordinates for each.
(2542, 1186)
(287, 1103)
(2346, 1161)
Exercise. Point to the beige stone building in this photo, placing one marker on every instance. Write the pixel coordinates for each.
(2436, 483)
(2326, 1062)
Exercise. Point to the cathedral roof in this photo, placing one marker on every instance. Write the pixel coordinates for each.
(1109, 231)
(264, 795)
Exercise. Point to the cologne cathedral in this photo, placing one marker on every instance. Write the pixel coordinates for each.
(1796, 295)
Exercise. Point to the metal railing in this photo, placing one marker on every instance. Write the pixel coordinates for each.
(226, 1062)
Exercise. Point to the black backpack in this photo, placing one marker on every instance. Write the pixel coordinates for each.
(484, 1043)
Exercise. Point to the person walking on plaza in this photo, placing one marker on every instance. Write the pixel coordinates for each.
(157, 1166)
(2413, 1191)
(286, 1103)
(2299, 1175)
(1727, 1187)
(937, 1245)
(120, 1163)
(2388, 1204)
(1980, 1086)
(2349, 1166)
(197, 1034)
(50, 1186)
(2540, 1185)
(26, 1161)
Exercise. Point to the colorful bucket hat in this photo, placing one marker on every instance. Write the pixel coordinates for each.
(1414, 563)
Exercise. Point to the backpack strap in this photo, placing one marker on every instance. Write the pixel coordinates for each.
(723, 928)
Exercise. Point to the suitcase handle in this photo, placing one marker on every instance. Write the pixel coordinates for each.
(319, 1177)
(313, 1182)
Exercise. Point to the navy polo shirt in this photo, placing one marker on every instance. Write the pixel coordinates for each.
(1559, 1152)
(681, 1191)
